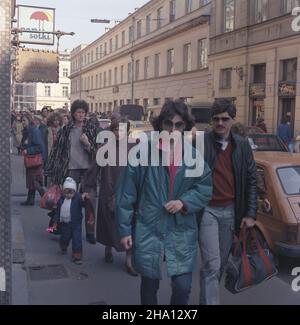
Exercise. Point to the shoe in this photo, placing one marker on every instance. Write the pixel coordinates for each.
(77, 261)
(30, 198)
(109, 257)
(91, 239)
(130, 270)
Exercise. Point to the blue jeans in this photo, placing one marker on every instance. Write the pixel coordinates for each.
(72, 232)
(181, 288)
(215, 239)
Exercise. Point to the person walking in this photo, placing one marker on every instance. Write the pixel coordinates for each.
(54, 123)
(32, 144)
(68, 216)
(284, 132)
(108, 176)
(73, 152)
(234, 200)
(164, 202)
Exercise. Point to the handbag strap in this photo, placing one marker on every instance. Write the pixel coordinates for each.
(262, 252)
(245, 259)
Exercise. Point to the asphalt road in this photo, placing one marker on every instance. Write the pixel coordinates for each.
(44, 276)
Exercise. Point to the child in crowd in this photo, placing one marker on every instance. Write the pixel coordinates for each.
(68, 215)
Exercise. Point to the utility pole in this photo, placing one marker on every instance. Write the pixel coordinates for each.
(6, 8)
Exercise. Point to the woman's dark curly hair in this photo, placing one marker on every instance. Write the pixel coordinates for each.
(53, 117)
(169, 110)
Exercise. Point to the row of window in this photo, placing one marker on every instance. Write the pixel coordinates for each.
(288, 72)
(65, 91)
(104, 79)
(145, 102)
(135, 31)
(262, 11)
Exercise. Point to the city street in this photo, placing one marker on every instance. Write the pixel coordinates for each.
(42, 276)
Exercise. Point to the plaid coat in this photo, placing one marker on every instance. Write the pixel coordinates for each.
(58, 161)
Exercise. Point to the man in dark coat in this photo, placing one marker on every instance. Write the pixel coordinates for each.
(234, 201)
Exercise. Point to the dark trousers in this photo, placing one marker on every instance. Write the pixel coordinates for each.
(72, 232)
(181, 289)
(77, 175)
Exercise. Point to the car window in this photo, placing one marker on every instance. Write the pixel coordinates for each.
(290, 179)
(265, 143)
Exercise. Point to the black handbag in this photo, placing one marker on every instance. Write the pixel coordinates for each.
(250, 264)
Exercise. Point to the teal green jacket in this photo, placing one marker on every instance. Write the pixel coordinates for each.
(142, 193)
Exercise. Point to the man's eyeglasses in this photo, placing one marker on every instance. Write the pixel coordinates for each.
(222, 119)
(169, 124)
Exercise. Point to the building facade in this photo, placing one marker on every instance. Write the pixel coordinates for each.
(159, 52)
(34, 96)
(197, 50)
(255, 60)
(56, 95)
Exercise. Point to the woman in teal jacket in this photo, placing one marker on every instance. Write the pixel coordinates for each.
(165, 203)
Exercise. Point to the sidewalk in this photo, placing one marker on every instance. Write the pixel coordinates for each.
(94, 282)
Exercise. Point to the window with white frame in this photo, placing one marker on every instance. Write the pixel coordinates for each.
(117, 41)
(100, 80)
(229, 11)
(261, 10)
(225, 78)
(139, 29)
(202, 54)
(170, 62)
(47, 91)
(104, 79)
(110, 45)
(123, 38)
(172, 10)
(130, 34)
(159, 17)
(65, 91)
(137, 70)
(116, 75)
(148, 24)
(157, 65)
(289, 5)
(122, 74)
(188, 6)
(187, 58)
(129, 72)
(146, 67)
(109, 77)
(65, 72)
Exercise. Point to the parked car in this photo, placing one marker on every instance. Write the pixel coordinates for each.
(278, 216)
(266, 142)
(131, 111)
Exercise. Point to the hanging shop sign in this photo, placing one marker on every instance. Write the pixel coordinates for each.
(287, 89)
(257, 90)
(36, 19)
(37, 66)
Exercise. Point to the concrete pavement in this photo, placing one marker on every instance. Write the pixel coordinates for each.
(94, 282)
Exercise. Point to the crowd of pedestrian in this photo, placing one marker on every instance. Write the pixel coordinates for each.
(152, 213)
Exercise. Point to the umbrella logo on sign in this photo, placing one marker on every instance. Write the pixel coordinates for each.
(41, 17)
